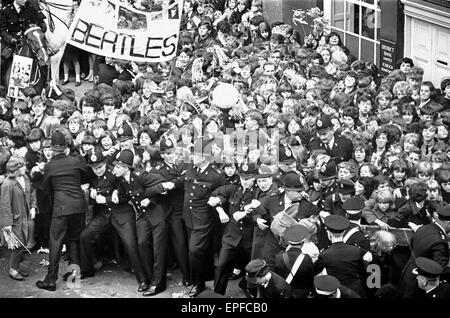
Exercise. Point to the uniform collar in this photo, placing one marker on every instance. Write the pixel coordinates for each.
(18, 8)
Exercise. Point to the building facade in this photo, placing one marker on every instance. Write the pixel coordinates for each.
(383, 31)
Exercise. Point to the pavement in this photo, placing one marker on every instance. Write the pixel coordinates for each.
(111, 281)
(79, 91)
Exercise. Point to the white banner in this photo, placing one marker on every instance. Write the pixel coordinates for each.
(20, 76)
(118, 30)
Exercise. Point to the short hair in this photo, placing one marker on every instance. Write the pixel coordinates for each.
(442, 175)
(399, 165)
(418, 191)
(349, 165)
(384, 196)
(5, 154)
(18, 137)
(405, 60)
(424, 167)
(14, 163)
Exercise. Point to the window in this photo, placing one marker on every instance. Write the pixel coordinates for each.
(359, 23)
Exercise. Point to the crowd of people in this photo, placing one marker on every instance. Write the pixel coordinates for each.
(253, 154)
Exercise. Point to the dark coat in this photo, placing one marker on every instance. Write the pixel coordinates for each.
(345, 262)
(15, 204)
(242, 231)
(429, 241)
(148, 186)
(342, 148)
(441, 291)
(276, 288)
(174, 174)
(105, 186)
(13, 23)
(198, 187)
(303, 280)
(358, 238)
(409, 212)
(63, 177)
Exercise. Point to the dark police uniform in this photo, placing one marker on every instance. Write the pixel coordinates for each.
(238, 235)
(13, 24)
(342, 149)
(270, 207)
(175, 220)
(429, 241)
(151, 224)
(441, 291)
(343, 261)
(120, 216)
(356, 237)
(200, 219)
(63, 176)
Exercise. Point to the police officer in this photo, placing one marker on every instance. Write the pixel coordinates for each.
(174, 173)
(266, 186)
(353, 234)
(338, 148)
(333, 205)
(270, 284)
(427, 274)
(295, 266)
(150, 205)
(201, 179)
(110, 208)
(63, 177)
(341, 260)
(289, 199)
(328, 286)
(15, 19)
(237, 238)
(430, 240)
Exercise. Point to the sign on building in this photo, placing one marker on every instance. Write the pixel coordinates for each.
(387, 57)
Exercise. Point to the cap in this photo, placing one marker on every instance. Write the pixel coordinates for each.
(326, 284)
(125, 157)
(323, 123)
(353, 205)
(336, 223)
(59, 141)
(97, 158)
(296, 234)
(125, 132)
(256, 267)
(166, 143)
(247, 170)
(346, 187)
(292, 181)
(444, 212)
(285, 154)
(264, 172)
(427, 267)
(328, 170)
(190, 107)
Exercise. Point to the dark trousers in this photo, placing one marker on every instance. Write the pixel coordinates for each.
(259, 239)
(229, 256)
(178, 235)
(64, 229)
(271, 248)
(127, 233)
(15, 258)
(152, 247)
(201, 254)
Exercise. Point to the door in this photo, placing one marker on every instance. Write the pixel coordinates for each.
(442, 56)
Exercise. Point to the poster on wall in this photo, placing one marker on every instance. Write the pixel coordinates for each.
(116, 29)
(20, 76)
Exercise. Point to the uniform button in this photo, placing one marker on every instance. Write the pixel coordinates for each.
(190, 201)
(190, 208)
(109, 209)
(107, 191)
(240, 228)
(192, 194)
(193, 187)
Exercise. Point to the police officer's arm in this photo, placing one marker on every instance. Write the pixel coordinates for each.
(401, 217)
(224, 193)
(319, 265)
(117, 185)
(439, 253)
(152, 184)
(179, 181)
(46, 181)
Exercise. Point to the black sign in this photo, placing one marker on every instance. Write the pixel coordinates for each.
(387, 58)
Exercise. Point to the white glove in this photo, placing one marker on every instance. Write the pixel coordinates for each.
(115, 197)
(239, 215)
(224, 218)
(368, 257)
(262, 224)
(100, 199)
(32, 213)
(145, 203)
(93, 194)
(213, 201)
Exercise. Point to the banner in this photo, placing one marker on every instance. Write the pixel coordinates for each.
(20, 76)
(116, 29)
